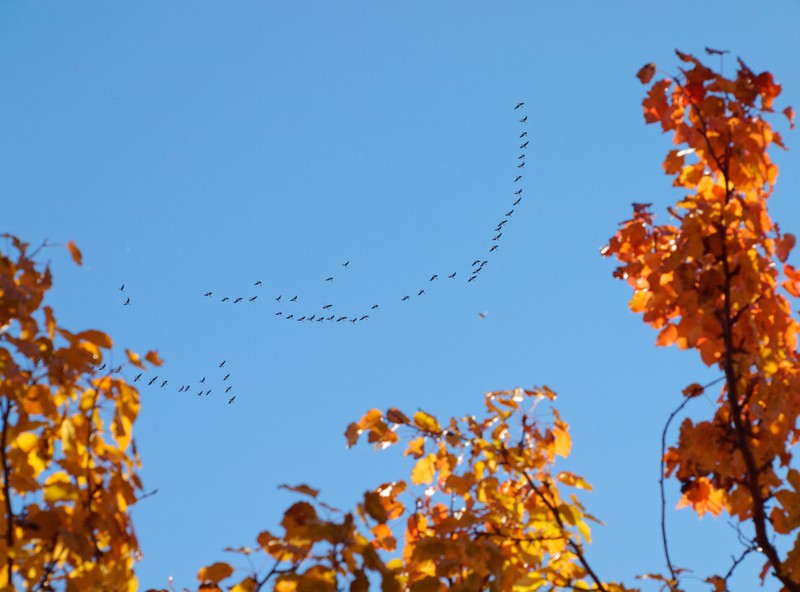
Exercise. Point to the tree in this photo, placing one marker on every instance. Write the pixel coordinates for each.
(484, 507)
(67, 456)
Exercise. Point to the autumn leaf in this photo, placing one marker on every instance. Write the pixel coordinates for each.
(784, 246)
(646, 73)
(424, 470)
(215, 572)
(304, 489)
(75, 253)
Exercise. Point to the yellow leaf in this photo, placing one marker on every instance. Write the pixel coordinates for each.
(215, 572)
(99, 338)
(424, 470)
(75, 252)
(427, 422)
(59, 487)
(563, 442)
(416, 448)
(134, 358)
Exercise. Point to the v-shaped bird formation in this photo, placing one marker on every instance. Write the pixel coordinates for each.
(291, 308)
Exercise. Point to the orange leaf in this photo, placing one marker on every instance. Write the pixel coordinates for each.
(152, 357)
(75, 252)
(99, 338)
(416, 448)
(397, 416)
(563, 442)
(784, 246)
(134, 358)
(789, 113)
(427, 422)
(304, 489)
(693, 390)
(667, 336)
(646, 73)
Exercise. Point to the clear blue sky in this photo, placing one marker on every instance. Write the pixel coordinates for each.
(201, 146)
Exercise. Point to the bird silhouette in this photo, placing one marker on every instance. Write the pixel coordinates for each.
(312, 317)
(327, 306)
(278, 299)
(521, 156)
(406, 298)
(524, 119)
(523, 134)
(483, 314)
(364, 318)
(421, 292)
(353, 320)
(517, 202)
(508, 213)
(200, 394)
(474, 263)
(208, 294)
(330, 318)
(229, 388)
(122, 288)
(203, 380)
(301, 319)
(346, 263)
(208, 392)
(293, 299)
(525, 145)
(518, 178)
(503, 222)
(497, 238)
(163, 384)
(152, 380)
(222, 363)
(519, 105)
(434, 277)
(494, 248)
(278, 314)
(452, 276)
(291, 316)
(253, 299)
(225, 299)
(231, 399)
(127, 302)
(521, 165)
(374, 307)
(258, 283)
(340, 319)
(138, 376)
(329, 279)
(238, 300)
(471, 278)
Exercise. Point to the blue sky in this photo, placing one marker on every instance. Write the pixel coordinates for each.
(202, 146)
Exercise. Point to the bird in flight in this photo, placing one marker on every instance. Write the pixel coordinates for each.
(434, 277)
(497, 238)
(483, 314)
(291, 316)
(501, 223)
(122, 288)
(238, 300)
(163, 384)
(231, 399)
(278, 314)
(521, 156)
(127, 302)
(508, 213)
(293, 299)
(301, 319)
(346, 263)
(518, 178)
(524, 119)
(330, 318)
(208, 392)
(278, 299)
(518, 192)
(406, 298)
(421, 292)
(327, 306)
(474, 263)
(521, 165)
(258, 283)
(340, 319)
(225, 299)
(471, 278)
(519, 105)
(203, 380)
(229, 388)
(138, 376)
(253, 299)
(312, 317)
(374, 306)
(222, 363)
(517, 202)
(494, 248)
(329, 279)
(364, 318)
(525, 145)
(523, 134)
(452, 276)
(207, 294)
(152, 380)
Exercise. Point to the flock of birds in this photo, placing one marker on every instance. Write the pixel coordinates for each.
(288, 305)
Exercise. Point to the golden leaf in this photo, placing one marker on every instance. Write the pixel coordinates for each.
(215, 572)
